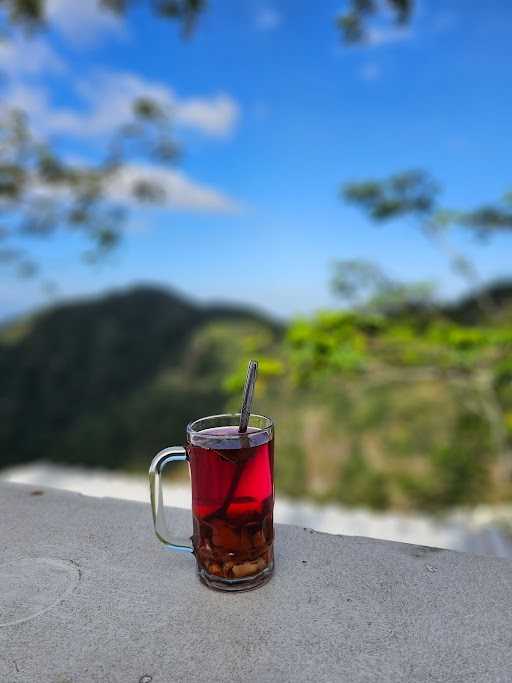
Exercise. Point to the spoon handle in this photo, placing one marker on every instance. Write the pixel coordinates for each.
(245, 410)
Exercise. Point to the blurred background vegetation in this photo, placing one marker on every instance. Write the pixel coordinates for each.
(404, 409)
(391, 399)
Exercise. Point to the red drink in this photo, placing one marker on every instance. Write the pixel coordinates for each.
(232, 500)
(232, 504)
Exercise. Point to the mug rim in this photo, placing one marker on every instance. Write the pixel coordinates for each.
(256, 436)
(235, 435)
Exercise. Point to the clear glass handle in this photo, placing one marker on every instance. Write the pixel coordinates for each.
(161, 459)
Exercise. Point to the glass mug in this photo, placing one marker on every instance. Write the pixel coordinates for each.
(232, 477)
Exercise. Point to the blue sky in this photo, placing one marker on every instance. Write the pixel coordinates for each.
(273, 113)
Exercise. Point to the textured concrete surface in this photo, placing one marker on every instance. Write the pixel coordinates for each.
(88, 594)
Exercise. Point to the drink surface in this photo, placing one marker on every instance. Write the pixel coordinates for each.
(232, 503)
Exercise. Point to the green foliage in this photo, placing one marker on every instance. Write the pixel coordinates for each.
(410, 192)
(360, 484)
(421, 394)
(32, 13)
(40, 193)
(186, 11)
(487, 219)
(384, 411)
(354, 23)
(357, 280)
(268, 369)
(460, 471)
(290, 472)
(331, 342)
(340, 341)
(364, 285)
(414, 194)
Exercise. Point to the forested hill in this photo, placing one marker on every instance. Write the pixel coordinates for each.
(101, 381)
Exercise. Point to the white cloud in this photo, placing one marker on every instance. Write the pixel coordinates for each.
(181, 193)
(31, 99)
(215, 116)
(20, 57)
(105, 102)
(370, 71)
(108, 99)
(34, 101)
(175, 190)
(268, 19)
(108, 103)
(385, 36)
(82, 21)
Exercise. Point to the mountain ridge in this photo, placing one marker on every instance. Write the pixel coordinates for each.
(87, 371)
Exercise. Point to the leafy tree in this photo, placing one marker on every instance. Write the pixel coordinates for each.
(354, 23)
(365, 285)
(41, 192)
(430, 398)
(413, 195)
(32, 13)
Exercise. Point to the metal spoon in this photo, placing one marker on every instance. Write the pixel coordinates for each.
(245, 410)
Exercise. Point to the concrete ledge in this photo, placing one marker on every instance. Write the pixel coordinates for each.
(88, 594)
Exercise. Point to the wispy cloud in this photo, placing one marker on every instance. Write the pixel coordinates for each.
(216, 115)
(107, 104)
(426, 21)
(377, 36)
(83, 22)
(172, 189)
(104, 102)
(268, 19)
(181, 192)
(31, 99)
(109, 101)
(20, 58)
